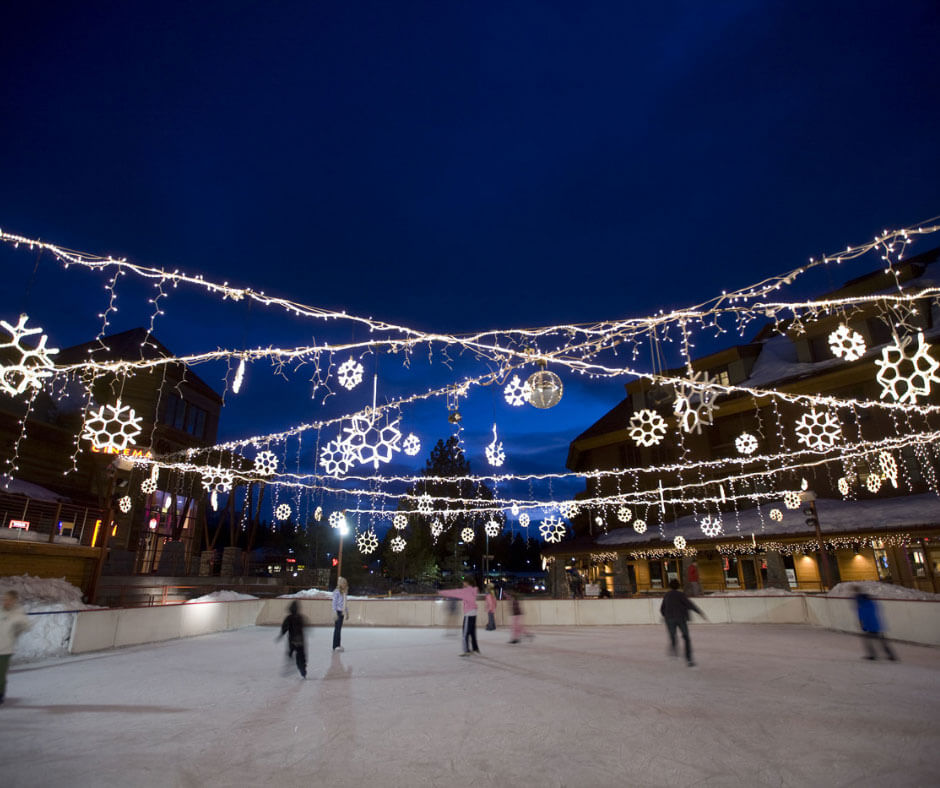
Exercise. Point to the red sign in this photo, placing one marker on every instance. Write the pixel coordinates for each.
(335, 562)
(24, 524)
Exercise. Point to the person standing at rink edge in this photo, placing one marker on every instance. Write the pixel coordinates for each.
(339, 611)
(675, 610)
(468, 595)
(490, 600)
(13, 623)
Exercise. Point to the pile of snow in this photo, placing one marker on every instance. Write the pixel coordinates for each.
(881, 591)
(51, 603)
(221, 596)
(316, 593)
(753, 592)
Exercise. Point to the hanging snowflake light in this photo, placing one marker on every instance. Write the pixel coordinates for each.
(776, 515)
(148, 486)
(695, 402)
(400, 521)
(437, 528)
(397, 544)
(711, 526)
(282, 512)
(792, 499)
(349, 374)
(846, 343)
(467, 535)
(114, 430)
(647, 427)
(217, 480)
(491, 528)
(904, 376)
(32, 365)
(639, 526)
(745, 443)
(514, 509)
(411, 445)
(370, 443)
(367, 542)
(516, 392)
(889, 467)
(624, 514)
(873, 482)
(125, 504)
(843, 485)
(524, 520)
(818, 430)
(599, 521)
(265, 463)
(679, 542)
(495, 455)
(425, 503)
(318, 513)
(336, 458)
(552, 529)
(568, 509)
(337, 519)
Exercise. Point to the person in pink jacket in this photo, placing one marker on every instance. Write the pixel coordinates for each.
(468, 595)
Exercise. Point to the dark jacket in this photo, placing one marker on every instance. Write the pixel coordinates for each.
(676, 606)
(294, 627)
(867, 613)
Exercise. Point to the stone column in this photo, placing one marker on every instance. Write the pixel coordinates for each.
(776, 571)
(231, 562)
(621, 577)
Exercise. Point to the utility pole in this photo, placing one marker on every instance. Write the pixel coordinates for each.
(812, 519)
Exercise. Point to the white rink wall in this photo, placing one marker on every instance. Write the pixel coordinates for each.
(913, 621)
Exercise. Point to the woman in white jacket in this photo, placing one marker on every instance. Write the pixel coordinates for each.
(339, 611)
(13, 623)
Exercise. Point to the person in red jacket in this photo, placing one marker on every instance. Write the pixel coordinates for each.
(468, 595)
(490, 600)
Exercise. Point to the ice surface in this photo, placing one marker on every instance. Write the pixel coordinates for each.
(590, 706)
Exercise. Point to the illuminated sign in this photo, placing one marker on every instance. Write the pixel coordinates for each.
(153, 524)
(24, 524)
(126, 452)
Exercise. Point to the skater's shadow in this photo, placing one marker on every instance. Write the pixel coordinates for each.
(337, 670)
(81, 708)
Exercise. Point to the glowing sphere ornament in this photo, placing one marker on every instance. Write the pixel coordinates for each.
(639, 526)
(679, 542)
(282, 512)
(148, 486)
(792, 499)
(624, 514)
(467, 535)
(545, 389)
(524, 520)
(776, 515)
(843, 485)
(125, 504)
(873, 482)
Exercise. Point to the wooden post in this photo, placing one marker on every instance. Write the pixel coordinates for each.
(103, 554)
(55, 521)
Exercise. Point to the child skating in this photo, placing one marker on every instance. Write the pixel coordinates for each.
(468, 595)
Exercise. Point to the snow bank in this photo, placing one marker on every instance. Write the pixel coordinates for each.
(221, 596)
(752, 592)
(881, 591)
(316, 593)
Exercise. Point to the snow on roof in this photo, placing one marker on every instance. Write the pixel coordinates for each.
(835, 516)
(30, 490)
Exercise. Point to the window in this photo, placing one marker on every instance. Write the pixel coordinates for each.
(720, 376)
(184, 416)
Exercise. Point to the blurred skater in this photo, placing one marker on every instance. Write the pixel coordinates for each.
(339, 611)
(452, 617)
(518, 626)
(468, 595)
(693, 587)
(293, 626)
(490, 601)
(13, 623)
(675, 609)
(870, 622)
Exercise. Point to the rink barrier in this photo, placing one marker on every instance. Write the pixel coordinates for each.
(913, 621)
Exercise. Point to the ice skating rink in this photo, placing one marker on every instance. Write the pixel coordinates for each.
(588, 706)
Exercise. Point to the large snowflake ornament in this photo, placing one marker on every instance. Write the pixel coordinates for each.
(467, 535)
(552, 529)
(33, 364)
(495, 455)
(524, 520)
(776, 515)
(517, 391)
(792, 499)
(818, 430)
(411, 445)
(711, 526)
(647, 427)
(371, 443)
(491, 528)
(337, 519)
(397, 544)
(265, 463)
(400, 521)
(847, 344)
(425, 503)
(568, 509)
(282, 512)
(745, 443)
(367, 542)
(349, 374)
(639, 526)
(437, 528)
(217, 480)
(336, 458)
(679, 542)
(125, 504)
(904, 375)
(112, 427)
(889, 467)
(624, 514)
(695, 402)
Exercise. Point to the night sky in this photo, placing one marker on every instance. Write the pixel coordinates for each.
(452, 167)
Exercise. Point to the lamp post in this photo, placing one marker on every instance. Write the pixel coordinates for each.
(343, 529)
(808, 498)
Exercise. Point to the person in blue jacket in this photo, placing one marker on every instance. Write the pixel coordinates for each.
(870, 622)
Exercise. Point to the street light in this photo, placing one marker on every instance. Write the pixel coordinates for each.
(343, 529)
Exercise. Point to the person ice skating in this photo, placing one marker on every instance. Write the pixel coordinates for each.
(870, 622)
(693, 587)
(339, 611)
(468, 595)
(518, 628)
(293, 626)
(13, 623)
(675, 609)
(490, 601)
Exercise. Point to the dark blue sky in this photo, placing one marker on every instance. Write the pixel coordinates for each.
(459, 166)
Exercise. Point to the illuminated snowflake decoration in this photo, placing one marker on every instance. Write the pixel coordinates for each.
(217, 480)
(411, 445)
(437, 528)
(265, 463)
(679, 542)
(318, 513)
(843, 485)
(568, 509)
(495, 455)
(552, 529)
(370, 443)
(818, 430)
(647, 427)
(336, 458)
(400, 521)
(112, 427)
(889, 467)
(745, 443)
(847, 344)
(33, 365)
(148, 486)
(873, 482)
(467, 535)
(514, 509)
(624, 514)
(695, 402)
(125, 504)
(524, 520)
(491, 528)
(711, 526)
(425, 503)
(639, 526)
(792, 499)
(397, 544)
(367, 542)
(337, 519)
(904, 376)
(517, 392)
(776, 515)
(349, 374)
(282, 512)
